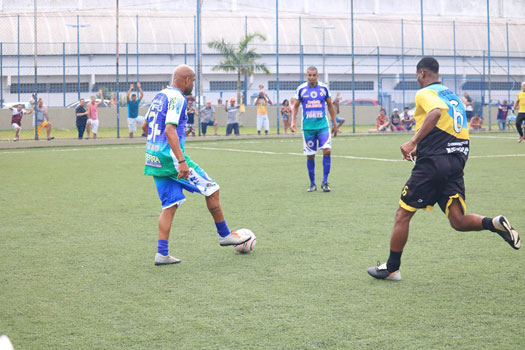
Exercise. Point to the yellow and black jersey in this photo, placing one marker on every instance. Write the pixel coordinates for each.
(521, 100)
(451, 132)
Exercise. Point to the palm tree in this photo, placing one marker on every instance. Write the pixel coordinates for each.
(238, 58)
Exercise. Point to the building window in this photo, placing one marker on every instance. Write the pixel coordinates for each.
(347, 85)
(409, 85)
(224, 85)
(284, 85)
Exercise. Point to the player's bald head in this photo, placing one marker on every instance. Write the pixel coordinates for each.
(183, 77)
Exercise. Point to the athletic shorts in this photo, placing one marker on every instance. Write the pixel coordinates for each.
(132, 123)
(170, 189)
(436, 179)
(94, 126)
(262, 121)
(312, 139)
(16, 126)
(41, 126)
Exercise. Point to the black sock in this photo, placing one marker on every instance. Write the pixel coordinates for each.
(394, 261)
(488, 225)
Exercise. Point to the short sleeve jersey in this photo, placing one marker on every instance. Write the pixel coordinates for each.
(521, 99)
(313, 101)
(450, 135)
(16, 116)
(167, 107)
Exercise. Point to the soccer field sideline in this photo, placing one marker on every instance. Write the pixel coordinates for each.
(237, 142)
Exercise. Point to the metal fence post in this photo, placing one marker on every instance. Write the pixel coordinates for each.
(1, 76)
(18, 57)
(508, 63)
(277, 59)
(64, 73)
(403, 61)
(353, 66)
(455, 64)
(490, 87)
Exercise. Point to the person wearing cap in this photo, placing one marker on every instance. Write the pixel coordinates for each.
(520, 101)
(232, 123)
(395, 121)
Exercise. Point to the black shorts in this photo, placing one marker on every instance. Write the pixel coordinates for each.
(435, 179)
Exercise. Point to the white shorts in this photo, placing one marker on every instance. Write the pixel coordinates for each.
(94, 126)
(262, 120)
(16, 126)
(132, 123)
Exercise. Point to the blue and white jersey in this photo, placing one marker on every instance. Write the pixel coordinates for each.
(313, 100)
(167, 107)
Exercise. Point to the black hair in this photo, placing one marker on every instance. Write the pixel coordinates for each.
(428, 63)
(284, 102)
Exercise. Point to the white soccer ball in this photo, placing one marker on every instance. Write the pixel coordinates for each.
(5, 343)
(247, 246)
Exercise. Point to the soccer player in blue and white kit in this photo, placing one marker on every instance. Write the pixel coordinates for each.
(314, 96)
(172, 170)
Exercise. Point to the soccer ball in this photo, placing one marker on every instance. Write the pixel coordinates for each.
(247, 246)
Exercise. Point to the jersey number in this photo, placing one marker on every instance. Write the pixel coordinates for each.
(458, 117)
(153, 125)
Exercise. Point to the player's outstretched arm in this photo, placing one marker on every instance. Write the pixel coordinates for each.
(331, 110)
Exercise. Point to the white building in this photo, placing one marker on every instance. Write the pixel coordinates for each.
(165, 35)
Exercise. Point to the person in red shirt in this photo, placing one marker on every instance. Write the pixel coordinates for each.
(382, 122)
(16, 119)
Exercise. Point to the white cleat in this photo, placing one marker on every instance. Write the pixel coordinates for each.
(506, 231)
(165, 259)
(233, 238)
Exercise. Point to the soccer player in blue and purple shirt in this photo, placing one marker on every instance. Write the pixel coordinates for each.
(314, 97)
(172, 170)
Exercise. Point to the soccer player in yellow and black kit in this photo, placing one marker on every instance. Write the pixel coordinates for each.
(521, 113)
(442, 144)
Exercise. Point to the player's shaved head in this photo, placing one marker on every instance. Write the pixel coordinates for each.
(183, 78)
(311, 76)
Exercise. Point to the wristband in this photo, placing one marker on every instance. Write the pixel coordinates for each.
(182, 161)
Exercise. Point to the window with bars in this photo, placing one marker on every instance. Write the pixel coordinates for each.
(494, 85)
(27, 88)
(224, 85)
(284, 85)
(408, 84)
(347, 85)
(146, 85)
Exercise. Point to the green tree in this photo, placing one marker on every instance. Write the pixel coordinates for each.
(239, 58)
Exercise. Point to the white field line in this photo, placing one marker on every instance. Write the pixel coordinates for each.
(90, 149)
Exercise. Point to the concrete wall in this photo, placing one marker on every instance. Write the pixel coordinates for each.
(64, 118)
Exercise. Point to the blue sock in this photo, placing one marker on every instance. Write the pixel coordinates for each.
(222, 229)
(327, 161)
(162, 247)
(310, 164)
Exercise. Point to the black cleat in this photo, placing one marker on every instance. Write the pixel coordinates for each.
(381, 273)
(312, 188)
(506, 231)
(325, 187)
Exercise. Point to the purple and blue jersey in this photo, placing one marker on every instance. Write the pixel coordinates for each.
(313, 101)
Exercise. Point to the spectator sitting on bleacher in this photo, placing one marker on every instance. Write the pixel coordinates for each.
(382, 122)
(476, 122)
(395, 121)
